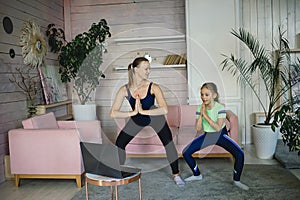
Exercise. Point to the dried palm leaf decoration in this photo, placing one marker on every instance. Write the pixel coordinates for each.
(33, 44)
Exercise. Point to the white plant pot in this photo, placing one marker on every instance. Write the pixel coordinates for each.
(84, 112)
(265, 140)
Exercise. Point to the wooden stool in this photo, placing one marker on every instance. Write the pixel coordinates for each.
(108, 181)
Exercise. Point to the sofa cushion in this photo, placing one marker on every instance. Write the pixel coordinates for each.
(173, 117)
(144, 150)
(147, 136)
(45, 121)
(186, 135)
(210, 151)
(188, 115)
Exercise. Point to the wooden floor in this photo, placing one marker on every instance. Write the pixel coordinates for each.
(66, 189)
(39, 190)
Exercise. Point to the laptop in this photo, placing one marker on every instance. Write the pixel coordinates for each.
(103, 159)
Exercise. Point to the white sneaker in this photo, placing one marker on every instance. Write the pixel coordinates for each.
(194, 178)
(240, 185)
(179, 181)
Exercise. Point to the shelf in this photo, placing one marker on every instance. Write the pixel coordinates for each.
(156, 66)
(42, 109)
(295, 50)
(170, 38)
(52, 105)
(65, 117)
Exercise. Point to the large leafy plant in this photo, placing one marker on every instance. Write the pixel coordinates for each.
(274, 68)
(56, 38)
(80, 60)
(289, 124)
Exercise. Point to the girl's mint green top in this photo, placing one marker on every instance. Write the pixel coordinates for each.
(218, 111)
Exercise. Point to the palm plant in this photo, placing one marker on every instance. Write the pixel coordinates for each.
(274, 68)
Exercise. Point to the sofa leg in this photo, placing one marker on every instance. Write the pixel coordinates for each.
(17, 180)
(78, 181)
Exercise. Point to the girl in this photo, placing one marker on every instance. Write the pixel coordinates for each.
(210, 117)
(141, 94)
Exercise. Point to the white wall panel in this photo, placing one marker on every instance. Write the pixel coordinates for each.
(208, 37)
(262, 18)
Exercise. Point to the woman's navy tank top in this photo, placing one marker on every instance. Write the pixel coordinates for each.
(147, 104)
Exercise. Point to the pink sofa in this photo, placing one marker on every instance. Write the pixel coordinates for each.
(181, 119)
(46, 148)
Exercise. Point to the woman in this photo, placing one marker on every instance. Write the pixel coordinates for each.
(141, 94)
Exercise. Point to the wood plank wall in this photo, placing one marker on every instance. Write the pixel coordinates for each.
(12, 100)
(262, 18)
(133, 19)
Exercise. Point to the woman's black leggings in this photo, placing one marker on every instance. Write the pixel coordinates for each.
(160, 126)
(221, 139)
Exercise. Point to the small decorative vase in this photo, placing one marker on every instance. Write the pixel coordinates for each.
(31, 108)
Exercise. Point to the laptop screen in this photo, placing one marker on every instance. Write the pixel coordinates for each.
(103, 159)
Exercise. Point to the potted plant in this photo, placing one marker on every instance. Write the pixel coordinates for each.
(277, 74)
(80, 61)
(29, 82)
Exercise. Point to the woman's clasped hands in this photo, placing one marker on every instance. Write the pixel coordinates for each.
(138, 106)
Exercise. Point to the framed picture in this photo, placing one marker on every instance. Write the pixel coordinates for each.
(259, 117)
(53, 88)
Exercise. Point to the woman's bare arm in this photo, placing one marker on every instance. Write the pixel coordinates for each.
(115, 109)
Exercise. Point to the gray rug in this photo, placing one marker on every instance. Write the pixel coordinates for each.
(290, 160)
(265, 182)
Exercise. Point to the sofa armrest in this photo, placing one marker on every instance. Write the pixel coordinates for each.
(45, 151)
(233, 126)
(90, 130)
